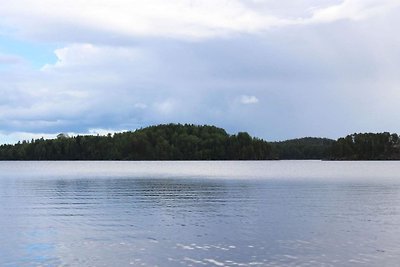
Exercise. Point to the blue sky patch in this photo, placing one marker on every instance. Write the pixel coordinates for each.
(36, 54)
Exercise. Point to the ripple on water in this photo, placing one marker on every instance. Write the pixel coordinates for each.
(198, 220)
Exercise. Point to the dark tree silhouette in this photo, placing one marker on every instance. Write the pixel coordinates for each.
(195, 142)
(161, 142)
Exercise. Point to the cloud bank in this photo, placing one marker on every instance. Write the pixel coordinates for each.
(277, 70)
(66, 20)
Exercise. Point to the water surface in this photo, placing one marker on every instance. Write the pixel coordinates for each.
(264, 213)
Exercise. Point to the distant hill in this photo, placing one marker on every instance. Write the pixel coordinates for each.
(201, 142)
(161, 142)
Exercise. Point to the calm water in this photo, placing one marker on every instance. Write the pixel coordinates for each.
(274, 213)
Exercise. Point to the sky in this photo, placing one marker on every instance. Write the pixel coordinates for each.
(276, 69)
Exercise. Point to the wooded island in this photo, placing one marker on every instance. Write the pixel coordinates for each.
(195, 142)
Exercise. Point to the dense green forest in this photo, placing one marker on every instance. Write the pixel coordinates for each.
(195, 142)
(367, 146)
(162, 142)
(303, 148)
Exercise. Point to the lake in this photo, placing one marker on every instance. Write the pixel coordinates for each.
(217, 213)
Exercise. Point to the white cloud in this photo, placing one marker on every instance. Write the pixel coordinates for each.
(302, 83)
(317, 79)
(99, 131)
(354, 10)
(80, 55)
(91, 20)
(179, 18)
(90, 87)
(246, 99)
(12, 138)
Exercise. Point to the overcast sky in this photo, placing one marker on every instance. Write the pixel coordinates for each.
(277, 69)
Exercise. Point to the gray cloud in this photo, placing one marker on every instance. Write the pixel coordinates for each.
(10, 59)
(325, 79)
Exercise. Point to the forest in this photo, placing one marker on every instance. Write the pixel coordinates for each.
(201, 142)
(303, 148)
(161, 142)
(367, 146)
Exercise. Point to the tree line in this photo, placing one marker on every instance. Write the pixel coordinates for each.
(303, 148)
(367, 146)
(201, 142)
(161, 142)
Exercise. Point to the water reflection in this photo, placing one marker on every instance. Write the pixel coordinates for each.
(196, 221)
